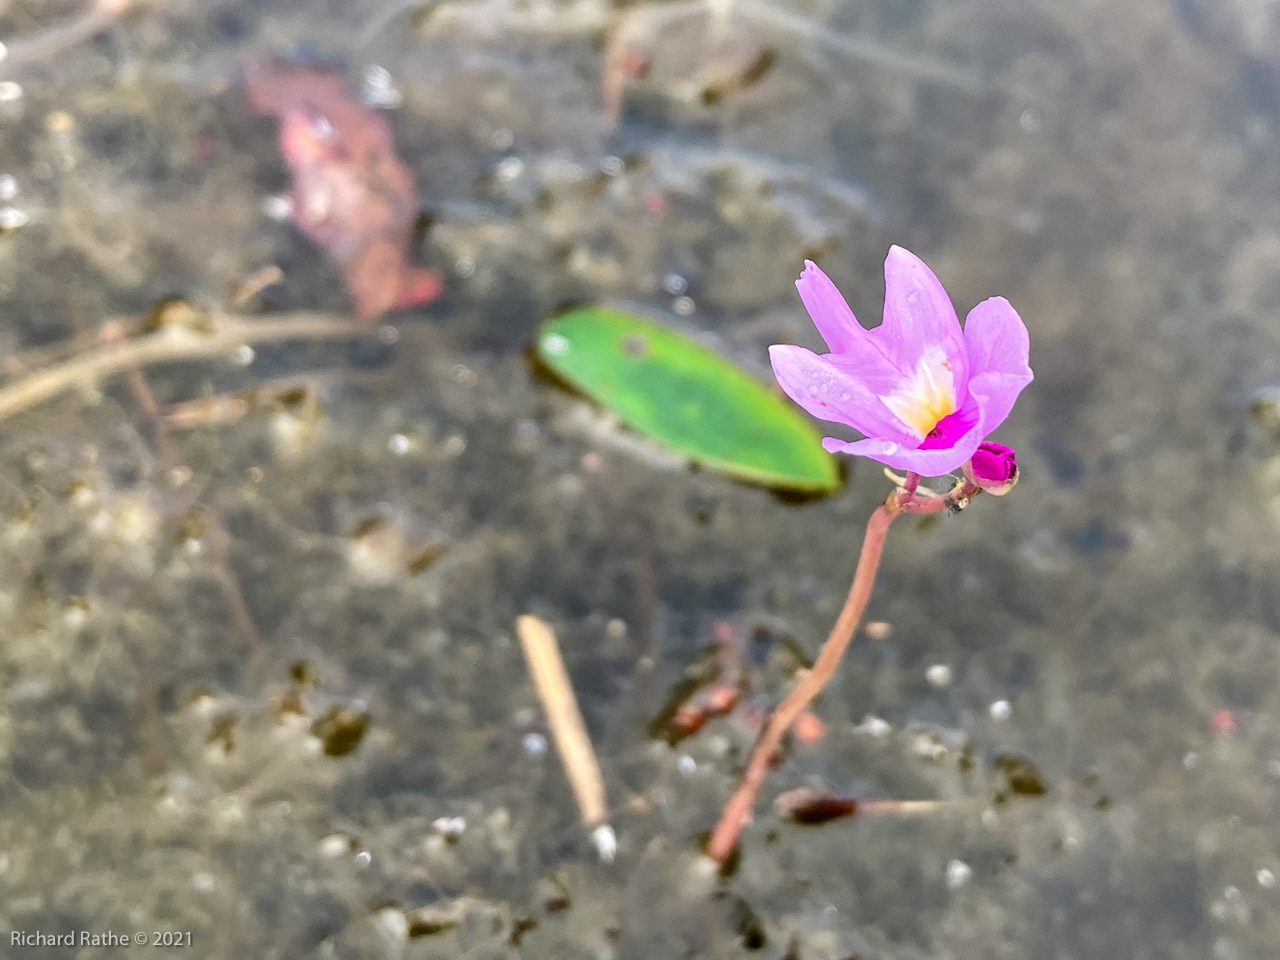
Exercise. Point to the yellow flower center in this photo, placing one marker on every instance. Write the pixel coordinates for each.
(928, 397)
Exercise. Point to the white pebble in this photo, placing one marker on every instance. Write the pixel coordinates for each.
(606, 842)
(684, 306)
(451, 828)
(8, 186)
(674, 284)
(277, 207)
(509, 169)
(11, 218)
(939, 675)
(874, 727)
(533, 744)
(1001, 710)
(958, 874)
(393, 923)
(380, 90)
(687, 765)
(335, 845)
(205, 882)
(1266, 879)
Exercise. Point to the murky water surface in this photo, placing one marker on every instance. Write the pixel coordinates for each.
(260, 677)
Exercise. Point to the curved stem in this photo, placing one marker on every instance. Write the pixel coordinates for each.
(164, 346)
(738, 810)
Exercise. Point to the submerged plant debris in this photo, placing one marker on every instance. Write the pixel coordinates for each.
(350, 194)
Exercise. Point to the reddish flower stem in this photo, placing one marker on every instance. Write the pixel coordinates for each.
(737, 811)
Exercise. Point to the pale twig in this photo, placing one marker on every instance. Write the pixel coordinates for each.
(574, 746)
(47, 43)
(167, 345)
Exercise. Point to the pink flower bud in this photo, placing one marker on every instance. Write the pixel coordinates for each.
(993, 467)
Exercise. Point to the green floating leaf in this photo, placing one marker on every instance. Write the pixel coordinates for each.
(687, 397)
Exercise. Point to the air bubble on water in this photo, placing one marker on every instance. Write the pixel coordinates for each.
(613, 166)
(1001, 710)
(502, 138)
(684, 306)
(674, 284)
(8, 186)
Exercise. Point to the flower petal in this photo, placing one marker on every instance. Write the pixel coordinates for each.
(929, 463)
(919, 320)
(842, 389)
(998, 346)
(829, 310)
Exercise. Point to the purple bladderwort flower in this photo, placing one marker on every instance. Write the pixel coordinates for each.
(925, 393)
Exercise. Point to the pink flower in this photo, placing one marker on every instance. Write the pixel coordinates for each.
(923, 392)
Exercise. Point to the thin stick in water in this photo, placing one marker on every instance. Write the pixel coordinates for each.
(570, 733)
